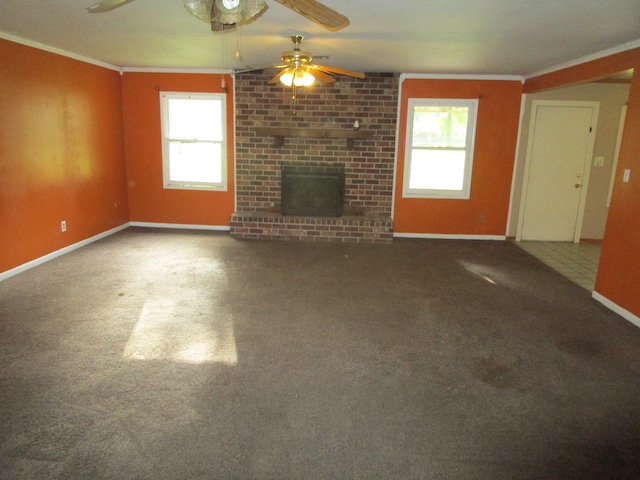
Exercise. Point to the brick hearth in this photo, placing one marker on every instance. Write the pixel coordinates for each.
(345, 229)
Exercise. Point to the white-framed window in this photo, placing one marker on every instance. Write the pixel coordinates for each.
(194, 143)
(439, 150)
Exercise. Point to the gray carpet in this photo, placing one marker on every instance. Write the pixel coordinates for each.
(174, 355)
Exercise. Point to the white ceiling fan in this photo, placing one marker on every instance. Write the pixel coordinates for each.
(226, 14)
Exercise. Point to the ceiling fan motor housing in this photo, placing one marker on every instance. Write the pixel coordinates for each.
(296, 57)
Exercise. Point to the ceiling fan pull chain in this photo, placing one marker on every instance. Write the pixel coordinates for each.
(294, 98)
(238, 42)
(223, 84)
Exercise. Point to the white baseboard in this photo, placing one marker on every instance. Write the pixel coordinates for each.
(180, 226)
(440, 236)
(50, 256)
(626, 314)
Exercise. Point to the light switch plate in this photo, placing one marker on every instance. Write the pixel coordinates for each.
(626, 175)
(598, 162)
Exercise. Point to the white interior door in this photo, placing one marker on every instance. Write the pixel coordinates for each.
(557, 170)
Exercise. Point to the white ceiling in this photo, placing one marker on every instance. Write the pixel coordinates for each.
(483, 37)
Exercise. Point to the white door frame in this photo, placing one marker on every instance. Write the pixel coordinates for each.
(595, 106)
(614, 167)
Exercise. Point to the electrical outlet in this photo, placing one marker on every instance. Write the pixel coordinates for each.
(598, 162)
(63, 226)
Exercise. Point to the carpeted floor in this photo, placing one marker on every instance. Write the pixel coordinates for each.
(175, 355)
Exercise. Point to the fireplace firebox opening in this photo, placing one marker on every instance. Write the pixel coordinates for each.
(312, 190)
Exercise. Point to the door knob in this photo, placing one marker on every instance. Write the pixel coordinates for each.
(578, 185)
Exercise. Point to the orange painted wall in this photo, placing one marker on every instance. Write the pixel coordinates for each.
(618, 278)
(619, 269)
(485, 212)
(600, 68)
(61, 153)
(148, 200)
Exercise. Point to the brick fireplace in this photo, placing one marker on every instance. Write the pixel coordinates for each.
(319, 135)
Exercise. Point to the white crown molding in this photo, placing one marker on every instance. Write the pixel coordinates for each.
(207, 71)
(58, 51)
(81, 58)
(445, 76)
(587, 58)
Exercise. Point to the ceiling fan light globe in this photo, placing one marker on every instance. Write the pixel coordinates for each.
(226, 14)
(306, 80)
(301, 79)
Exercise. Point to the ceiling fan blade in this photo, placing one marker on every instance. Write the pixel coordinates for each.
(248, 69)
(200, 9)
(107, 6)
(319, 75)
(339, 71)
(317, 12)
(276, 79)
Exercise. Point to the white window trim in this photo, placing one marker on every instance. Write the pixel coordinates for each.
(465, 193)
(164, 119)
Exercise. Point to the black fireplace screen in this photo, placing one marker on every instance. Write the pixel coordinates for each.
(312, 190)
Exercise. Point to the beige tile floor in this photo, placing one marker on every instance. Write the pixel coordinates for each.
(576, 261)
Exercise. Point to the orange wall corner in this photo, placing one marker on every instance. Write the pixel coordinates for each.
(587, 71)
(61, 153)
(619, 269)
